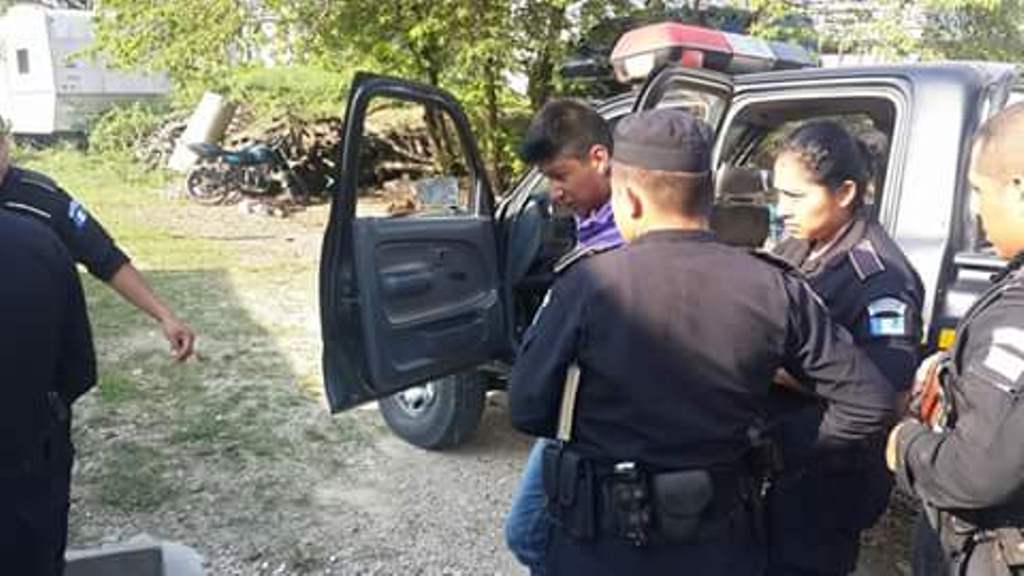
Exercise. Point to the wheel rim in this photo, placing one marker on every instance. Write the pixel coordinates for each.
(417, 400)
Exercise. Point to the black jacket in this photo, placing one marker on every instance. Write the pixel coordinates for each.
(678, 337)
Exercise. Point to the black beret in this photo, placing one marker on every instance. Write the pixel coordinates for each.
(665, 139)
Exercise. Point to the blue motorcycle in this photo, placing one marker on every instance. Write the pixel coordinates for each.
(223, 176)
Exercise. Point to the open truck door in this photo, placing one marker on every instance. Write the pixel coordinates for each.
(407, 299)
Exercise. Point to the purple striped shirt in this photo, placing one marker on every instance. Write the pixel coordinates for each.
(598, 228)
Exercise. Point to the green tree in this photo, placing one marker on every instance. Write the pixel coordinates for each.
(976, 30)
(197, 42)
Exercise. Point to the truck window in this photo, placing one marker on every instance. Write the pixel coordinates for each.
(417, 162)
(754, 135)
(22, 55)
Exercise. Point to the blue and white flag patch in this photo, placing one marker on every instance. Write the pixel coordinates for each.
(77, 214)
(887, 317)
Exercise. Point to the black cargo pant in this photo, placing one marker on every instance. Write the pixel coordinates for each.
(34, 505)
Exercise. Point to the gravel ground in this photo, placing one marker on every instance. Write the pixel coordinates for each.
(270, 483)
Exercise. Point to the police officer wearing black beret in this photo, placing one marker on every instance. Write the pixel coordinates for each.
(46, 362)
(821, 504)
(665, 351)
(32, 194)
(961, 448)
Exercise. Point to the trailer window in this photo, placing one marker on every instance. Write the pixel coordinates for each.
(23, 61)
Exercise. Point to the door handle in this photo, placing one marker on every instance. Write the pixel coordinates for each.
(405, 283)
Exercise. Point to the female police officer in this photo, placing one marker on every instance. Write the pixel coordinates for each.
(824, 501)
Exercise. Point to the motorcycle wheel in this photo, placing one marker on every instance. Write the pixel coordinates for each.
(207, 185)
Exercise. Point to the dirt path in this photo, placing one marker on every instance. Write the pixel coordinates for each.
(236, 455)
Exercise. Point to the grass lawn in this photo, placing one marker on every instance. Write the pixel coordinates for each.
(212, 451)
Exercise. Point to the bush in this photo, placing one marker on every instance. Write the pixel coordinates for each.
(119, 130)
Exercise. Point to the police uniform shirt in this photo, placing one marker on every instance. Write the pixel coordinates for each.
(45, 341)
(871, 289)
(677, 337)
(30, 193)
(978, 464)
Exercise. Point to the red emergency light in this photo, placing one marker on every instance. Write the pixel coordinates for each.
(640, 51)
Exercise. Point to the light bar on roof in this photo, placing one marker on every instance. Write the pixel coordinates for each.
(749, 54)
(640, 51)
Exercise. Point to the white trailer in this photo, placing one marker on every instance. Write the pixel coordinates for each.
(45, 87)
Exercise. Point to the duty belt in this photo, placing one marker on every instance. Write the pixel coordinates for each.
(589, 498)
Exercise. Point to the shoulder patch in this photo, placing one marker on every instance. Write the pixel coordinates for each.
(578, 254)
(1005, 359)
(865, 260)
(887, 317)
(77, 214)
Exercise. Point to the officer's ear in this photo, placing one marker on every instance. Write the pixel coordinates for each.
(600, 159)
(635, 201)
(846, 194)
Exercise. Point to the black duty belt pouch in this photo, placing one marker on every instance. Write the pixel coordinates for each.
(679, 500)
(569, 484)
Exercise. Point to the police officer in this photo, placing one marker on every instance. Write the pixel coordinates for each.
(571, 144)
(46, 361)
(960, 451)
(674, 339)
(820, 505)
(35, 195)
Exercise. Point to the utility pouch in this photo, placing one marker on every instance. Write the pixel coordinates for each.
(628, 504)
(680, 498)
(569, 484)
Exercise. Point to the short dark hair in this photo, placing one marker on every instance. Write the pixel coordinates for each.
(564, 127)
(685, 193)
(832, 155)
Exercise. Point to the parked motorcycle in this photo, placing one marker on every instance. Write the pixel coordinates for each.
(223, 176)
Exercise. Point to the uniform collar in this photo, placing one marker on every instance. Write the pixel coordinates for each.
(797, 252)
(669, 235)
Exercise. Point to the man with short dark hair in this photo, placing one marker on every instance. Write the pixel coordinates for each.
(653, 365)
(571, 144)
(46, 362)
(960, 449)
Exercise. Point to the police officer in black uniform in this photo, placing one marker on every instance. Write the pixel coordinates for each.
(821, 504)
(961, 450)
(32, 194)
(674, 340)
(46, 361)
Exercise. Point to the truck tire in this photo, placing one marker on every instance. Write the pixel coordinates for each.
(440, 414)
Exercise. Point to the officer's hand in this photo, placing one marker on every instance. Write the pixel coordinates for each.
(926, 397)
(925, 371)
(786, 380)
(180, 336)
(892, 447)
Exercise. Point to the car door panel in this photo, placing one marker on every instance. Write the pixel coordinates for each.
(407, 299)
(431, 288)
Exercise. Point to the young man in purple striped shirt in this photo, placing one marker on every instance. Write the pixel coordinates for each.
(571, 144)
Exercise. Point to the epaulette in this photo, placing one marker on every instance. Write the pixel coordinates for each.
(36, 179)
(865, 260)
(775, 260)
(577, 254)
